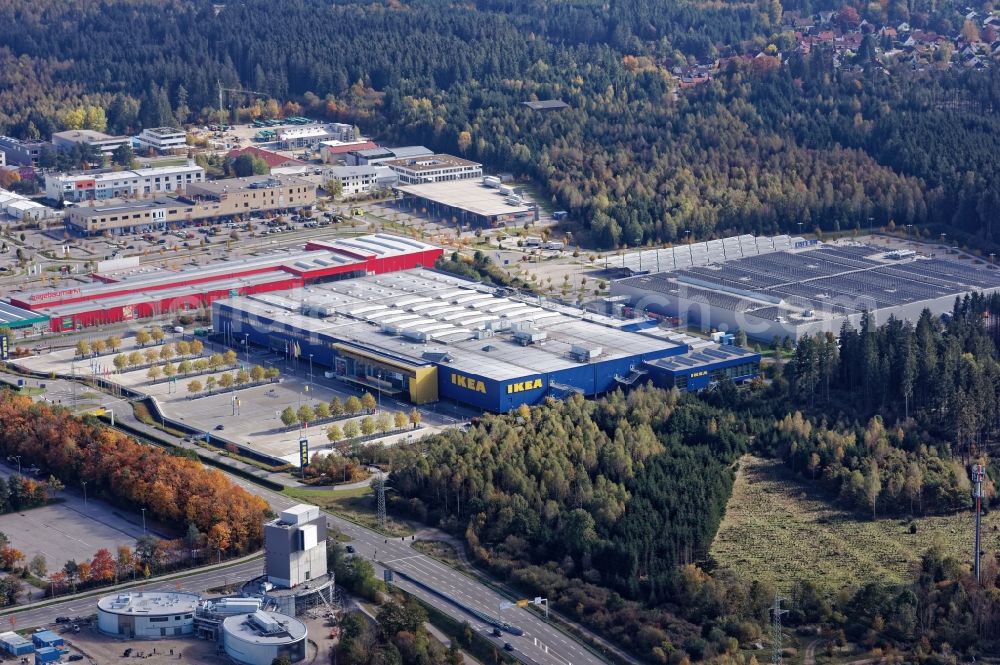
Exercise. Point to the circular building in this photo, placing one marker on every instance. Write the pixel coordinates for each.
(147, 614)
(260, 637)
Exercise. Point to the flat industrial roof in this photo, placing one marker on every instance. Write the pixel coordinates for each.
(250, 182)
(262, 627)
(422, 163)
(354, 313)
(469, 195)
(15, 317)
(143, 297)
(149, 603)
(703, 357)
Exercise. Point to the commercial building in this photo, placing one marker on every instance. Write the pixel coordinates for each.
(354, 180)
(434, 168)
(104, 143)
(162, 140)
(202, 200)
(311, 136)
(422, 335)
(811, 288)
(295, 546)
(16, 318)
(332, 152)
(23, 153)
(147, 614)
(466, 202)
(373, 156)
(107, 184)
(260, 637)
(22, 208)
(139, 293)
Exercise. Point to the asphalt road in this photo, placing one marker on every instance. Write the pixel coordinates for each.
(195, 582)
(541, 642)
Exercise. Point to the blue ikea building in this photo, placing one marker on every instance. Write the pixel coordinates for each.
(423, 336)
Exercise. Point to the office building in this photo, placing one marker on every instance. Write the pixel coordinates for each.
(104, 143)
(162, 140)
(434, 168)
(107, 184)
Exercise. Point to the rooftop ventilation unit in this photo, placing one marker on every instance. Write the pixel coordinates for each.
(524, 334)
(584, 354)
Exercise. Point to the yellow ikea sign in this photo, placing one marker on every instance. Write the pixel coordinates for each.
(468, 383)
(697, 374)
(522, 386)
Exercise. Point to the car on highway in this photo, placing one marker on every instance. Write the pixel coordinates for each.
(507, 646)
(220, 427)
(497, 632)
(62, 619)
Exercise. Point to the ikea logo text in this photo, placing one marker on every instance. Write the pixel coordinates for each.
(701, 373)
(522, 386)
(468, 383)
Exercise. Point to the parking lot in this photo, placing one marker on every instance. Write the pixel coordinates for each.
(71, 530)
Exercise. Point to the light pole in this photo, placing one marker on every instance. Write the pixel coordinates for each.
(143, 521)
(246, 346)
(84, 483)
(310, 368)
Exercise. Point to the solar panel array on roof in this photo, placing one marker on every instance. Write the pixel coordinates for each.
(836, 279)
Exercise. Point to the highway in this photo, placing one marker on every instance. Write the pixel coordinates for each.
(541, 642)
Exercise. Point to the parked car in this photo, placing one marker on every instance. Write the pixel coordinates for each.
(350, 549)
(62, 619)
(220, 427)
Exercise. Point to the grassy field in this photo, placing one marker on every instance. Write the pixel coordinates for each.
(357, 505)
(778, 529)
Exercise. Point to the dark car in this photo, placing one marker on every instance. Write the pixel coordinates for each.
(497, 632)
(62, 619)
(75, 657)
(220, 427)
(507, 646)
(350, 549)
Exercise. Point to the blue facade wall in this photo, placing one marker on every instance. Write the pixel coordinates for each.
(481, 392)
(700, 377)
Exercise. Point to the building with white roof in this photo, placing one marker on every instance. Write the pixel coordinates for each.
(107, 184)
(260, 637)
(162, 139)
(424, 335)
(147, 614)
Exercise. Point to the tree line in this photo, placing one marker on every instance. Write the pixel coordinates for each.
(174, 489)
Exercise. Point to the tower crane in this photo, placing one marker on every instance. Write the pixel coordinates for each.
(223, 90)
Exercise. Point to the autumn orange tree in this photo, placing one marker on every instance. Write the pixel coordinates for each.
(174, 489)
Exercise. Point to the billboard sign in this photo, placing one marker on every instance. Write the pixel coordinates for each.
(303, 453)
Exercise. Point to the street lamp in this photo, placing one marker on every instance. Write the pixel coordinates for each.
(143, 521)
(310, 368)
(246, 346)
(84, 483)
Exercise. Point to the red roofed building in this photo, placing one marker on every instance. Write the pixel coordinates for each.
(273, 159)
(331, 151)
